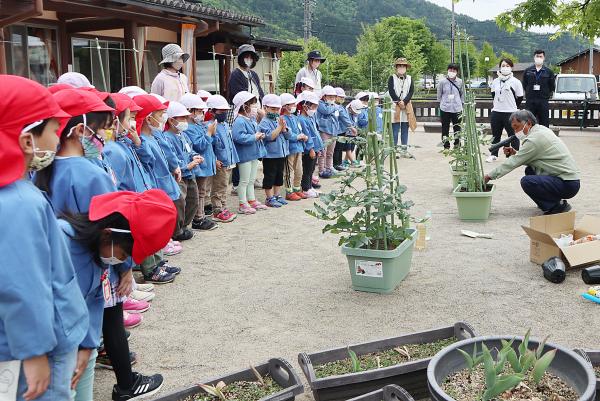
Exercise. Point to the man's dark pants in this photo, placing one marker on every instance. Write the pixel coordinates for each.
(548, 191)
(540, 109)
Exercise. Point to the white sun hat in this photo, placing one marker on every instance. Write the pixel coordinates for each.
(159, 97)
(177, 109)
(172, 52)
(217, 102)
(191, 101)
(75, 79)
(374, 95)
(309, 97)
(132, 91)
(240, 99)
(271, 100)
(328, 90)
(286, 99)
(361, 94)
(308, 82)
(340, 92)
(356, 106)
(203, 94)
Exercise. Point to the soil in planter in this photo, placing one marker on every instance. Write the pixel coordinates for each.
(487, 188)
(243, 391)
(383, 359)
(466, 386)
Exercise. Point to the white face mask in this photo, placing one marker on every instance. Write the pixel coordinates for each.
(253, 111)
(505, 70)
(178, 64)
(113, 260)
(161, 125)
(199, 119)
(451, 74)
(182, 126)
(539, 61)
(311, 112)
(401, 70)
(330, 101)
(132, 124)
(40, 162)
(292, 109)
(248, 62)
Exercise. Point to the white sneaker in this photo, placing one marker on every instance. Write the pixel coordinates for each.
(313, 194)
(491, 159)
(233, 190)
(142, 295)
(144, 287)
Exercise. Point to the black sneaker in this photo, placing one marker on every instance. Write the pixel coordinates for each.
(205, 224)
(168, 268)
(185, 235)
(159, 276)
(208, 210)
(562, 207)
(103, 361)
(143, 386)
(340, 168)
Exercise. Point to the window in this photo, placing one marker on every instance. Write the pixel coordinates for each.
(152, 56)
(33, 53)
(93, 63)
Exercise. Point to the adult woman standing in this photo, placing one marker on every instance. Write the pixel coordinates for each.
(401, 89)
(244, 78)
(507, 92)
(171, 83)
(314, 59)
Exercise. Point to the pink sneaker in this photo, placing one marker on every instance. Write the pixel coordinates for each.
(172, 249)
(175, 242)
(246, 209)
(312, 193)
(229, 215)
(134, 306)
(131, 320)
(257, 205)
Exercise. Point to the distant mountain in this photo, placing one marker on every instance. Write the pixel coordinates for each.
(338, 23)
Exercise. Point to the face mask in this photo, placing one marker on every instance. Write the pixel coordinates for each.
(132, 124)
(292, 109)
(451, 74)
(330, 101)
(182, 126)
(120, 133)
(221, 117)
(40, 162)
(248, 62)
(161, 124)
(253, 111)
(272, 116)
(505, 70)
(401, 70)
(113, 260)
(178, 64)
(92, 145)
(539, 61)
(199, 119)
(311, 112)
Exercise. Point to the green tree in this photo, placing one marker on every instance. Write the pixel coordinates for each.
(439, 58)
(579, 17)
(511, 56)
(291, 62)
(487, 59)
(413, 52)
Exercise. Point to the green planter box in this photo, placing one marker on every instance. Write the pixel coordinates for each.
(380, 271)
(456, 175)
(474, 205)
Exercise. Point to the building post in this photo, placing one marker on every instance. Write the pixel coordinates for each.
(3, 45)
(129, 30)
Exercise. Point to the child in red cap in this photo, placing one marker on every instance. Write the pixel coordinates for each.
(40, 334)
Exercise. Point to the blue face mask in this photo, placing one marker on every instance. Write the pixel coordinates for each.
(221, 117)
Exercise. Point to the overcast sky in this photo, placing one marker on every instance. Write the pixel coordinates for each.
(480, 9)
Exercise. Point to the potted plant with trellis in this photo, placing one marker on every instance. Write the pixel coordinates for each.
(473, 195)
(370, 214)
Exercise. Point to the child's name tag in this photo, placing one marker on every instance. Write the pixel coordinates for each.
(300, 127)
(450, 97)
(536, 87)
(188, 148)
(337, 113)
(9, 380)
(106, 289)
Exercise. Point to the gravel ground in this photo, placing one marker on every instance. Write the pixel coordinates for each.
(271, 285)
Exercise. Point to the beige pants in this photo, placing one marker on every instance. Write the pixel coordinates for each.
(293, 167)
(203, 190)
(220, 186)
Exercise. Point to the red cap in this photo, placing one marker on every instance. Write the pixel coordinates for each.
(151, 216)
(78, 102)
(148, 104)
(59, 87)
(22, 102)
(123, 102)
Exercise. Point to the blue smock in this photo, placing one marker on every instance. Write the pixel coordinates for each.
(244, 131)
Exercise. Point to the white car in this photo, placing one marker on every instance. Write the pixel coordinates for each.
(576, 87)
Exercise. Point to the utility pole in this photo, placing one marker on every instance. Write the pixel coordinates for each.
(452, 33)
(591, 67)
(308, 8)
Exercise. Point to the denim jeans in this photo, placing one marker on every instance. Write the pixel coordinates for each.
(401, 128)
(62, 367)
(85, 387)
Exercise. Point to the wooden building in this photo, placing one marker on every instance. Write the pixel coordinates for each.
(580, 63)
(116, 43)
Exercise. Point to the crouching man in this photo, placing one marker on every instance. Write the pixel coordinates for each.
(551, 175)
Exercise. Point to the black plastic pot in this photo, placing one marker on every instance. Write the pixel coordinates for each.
(388, 393)
(594, 359)
(568, 365)
(411, 375)
(279, 369)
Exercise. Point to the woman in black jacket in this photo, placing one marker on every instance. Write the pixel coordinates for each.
(401, 89)
(243, 78)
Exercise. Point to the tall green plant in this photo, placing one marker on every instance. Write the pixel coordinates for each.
(368, 209)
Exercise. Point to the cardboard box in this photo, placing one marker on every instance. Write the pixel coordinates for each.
(543, 229)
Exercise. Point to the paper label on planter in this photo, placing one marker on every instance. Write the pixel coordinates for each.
(369, 268)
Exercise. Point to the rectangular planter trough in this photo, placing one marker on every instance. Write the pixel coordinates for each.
(411, 375)
(279, 369)
(388, 393)
(594, 357)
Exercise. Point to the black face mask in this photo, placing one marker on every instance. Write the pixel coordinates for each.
(221, 117)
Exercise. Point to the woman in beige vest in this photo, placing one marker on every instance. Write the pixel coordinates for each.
(401, 89)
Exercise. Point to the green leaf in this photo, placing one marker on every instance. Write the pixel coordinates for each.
(511, 356)
(488, 364)
(504, 383)
(523, 347)
(355, 360)
(542, 364)
(528, 360)
(468, 359)
(501, 362)
(540, 348)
